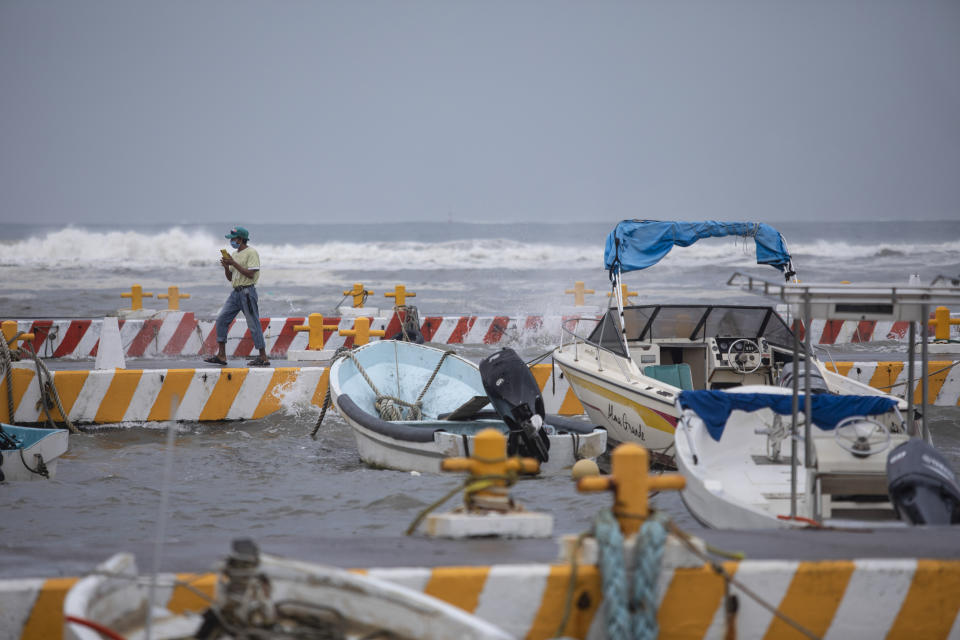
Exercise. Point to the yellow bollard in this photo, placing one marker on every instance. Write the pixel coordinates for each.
(9, 328)
(400, 295)
(136, 295)
(941, 323)
(489, 458)
(359, 295)
(316, 328)
(361, 332)
(631, 484)
(625, 294)
(173, 297)
(578, 292)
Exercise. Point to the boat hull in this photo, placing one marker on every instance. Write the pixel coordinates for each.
(379, 450)
(404, 370)
(24, 463)
(629, 414)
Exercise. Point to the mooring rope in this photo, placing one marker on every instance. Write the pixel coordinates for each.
(8, 375)
(45, 380)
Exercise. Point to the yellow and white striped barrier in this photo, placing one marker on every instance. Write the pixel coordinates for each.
(891, 377)
(232, 394)
(871, 598)
(136, 395)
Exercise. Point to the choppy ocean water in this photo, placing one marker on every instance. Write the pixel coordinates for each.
(303, 497)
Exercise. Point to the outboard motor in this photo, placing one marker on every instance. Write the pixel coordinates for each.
(817, 383)
(516, 398)
(922, 486)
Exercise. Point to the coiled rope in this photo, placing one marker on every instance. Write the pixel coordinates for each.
(390, 408)
(648, 558)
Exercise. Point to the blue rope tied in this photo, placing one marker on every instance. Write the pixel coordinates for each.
(648, 554)
(614, 577)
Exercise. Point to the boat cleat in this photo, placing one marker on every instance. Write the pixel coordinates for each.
(489, 509)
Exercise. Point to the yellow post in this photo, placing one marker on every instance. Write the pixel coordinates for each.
(173, 297)
(941, 323)
(624, 293)
(400, 295)
(359, 294)
(136, 295)
(489, 458)
(631, 484)
(361, 332)
(578, 292)
(9, 328)
(316, 328)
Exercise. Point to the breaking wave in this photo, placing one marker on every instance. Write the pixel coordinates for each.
(185, 248)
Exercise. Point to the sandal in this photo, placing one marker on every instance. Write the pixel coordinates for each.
(215, 360)
(258, 362)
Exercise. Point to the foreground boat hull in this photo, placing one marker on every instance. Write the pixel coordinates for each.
(37, 458)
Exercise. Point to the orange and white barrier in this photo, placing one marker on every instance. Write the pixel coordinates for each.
(137, 395)
(861, 598)
(943, 382)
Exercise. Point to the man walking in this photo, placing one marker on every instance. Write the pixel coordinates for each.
(242, 269)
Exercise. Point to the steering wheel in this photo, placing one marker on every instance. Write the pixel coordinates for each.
(862, 436)
(742, 360)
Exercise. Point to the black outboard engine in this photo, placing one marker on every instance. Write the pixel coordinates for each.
(817, 383)
(922, 486)
(516, 398)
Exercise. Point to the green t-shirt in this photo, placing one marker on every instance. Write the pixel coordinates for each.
(249, 259)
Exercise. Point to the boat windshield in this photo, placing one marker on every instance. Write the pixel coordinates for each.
(691, 322)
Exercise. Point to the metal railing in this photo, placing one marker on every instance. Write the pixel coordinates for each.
(599, 349)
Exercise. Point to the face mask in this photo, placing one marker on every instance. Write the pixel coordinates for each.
(235, 243)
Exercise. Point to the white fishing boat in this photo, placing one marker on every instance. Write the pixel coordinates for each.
(28, 453)
(751, 458)
(262, 596)
(412, 405)
(628, 372)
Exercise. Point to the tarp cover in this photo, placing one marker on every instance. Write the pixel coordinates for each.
(714, 407)
(638, 244)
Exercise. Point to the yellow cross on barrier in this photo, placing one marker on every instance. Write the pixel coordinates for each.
(361, 332)
(489, 459)
(400, 294)
(625, 294)
(359, 294)
(315, 327)
(136, 295)
(631, 483)
(9, 328)
(578, 292)
(173, 297)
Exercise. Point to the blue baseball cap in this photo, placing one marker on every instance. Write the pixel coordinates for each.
(238, 232)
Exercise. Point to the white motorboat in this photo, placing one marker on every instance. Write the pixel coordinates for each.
(629, 371)
(412, 405)
(261, 596)
(857, 462)
(29, 453)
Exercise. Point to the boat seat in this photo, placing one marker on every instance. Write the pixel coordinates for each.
(677, 375)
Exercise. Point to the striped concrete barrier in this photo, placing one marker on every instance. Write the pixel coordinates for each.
(869, 598)
(133, 395)
(136, 395)
(943, 383)
(180, 334)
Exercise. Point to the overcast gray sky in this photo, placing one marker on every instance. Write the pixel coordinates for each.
(217, 110)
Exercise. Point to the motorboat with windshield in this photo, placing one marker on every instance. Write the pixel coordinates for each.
(630, 369)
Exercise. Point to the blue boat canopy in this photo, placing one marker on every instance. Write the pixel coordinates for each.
(714, 407)
(638, 244)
